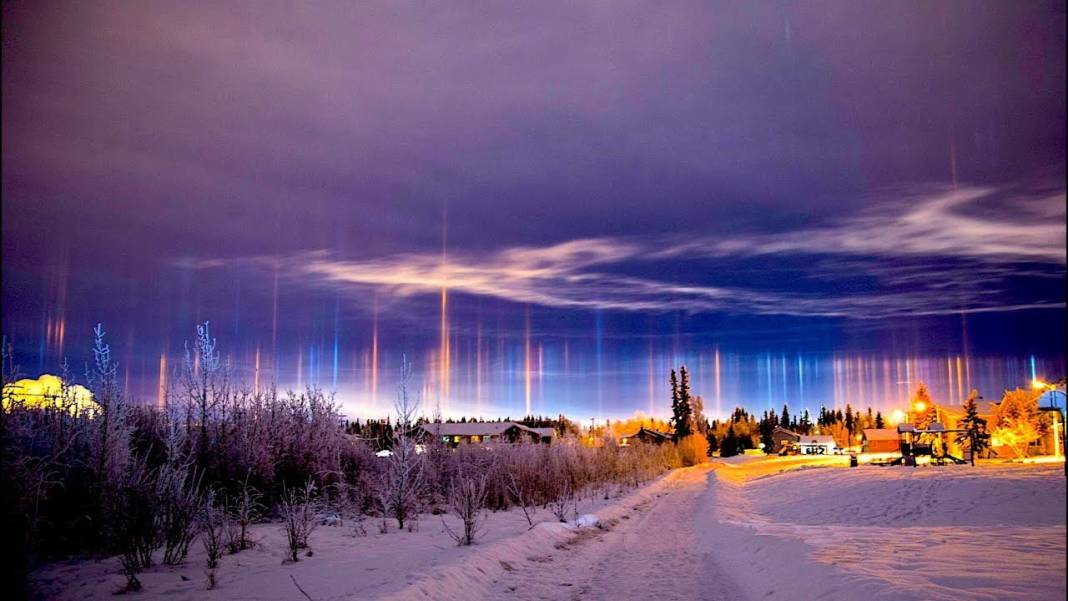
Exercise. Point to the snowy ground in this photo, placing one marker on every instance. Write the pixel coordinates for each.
(741, 529)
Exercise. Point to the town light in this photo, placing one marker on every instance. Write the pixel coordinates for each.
(920, 406)
(898, 416)
(1039, 384)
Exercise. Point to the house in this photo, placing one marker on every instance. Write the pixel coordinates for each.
(644, 435)
(817, 445)
(781, 439)
(454, 434)
(881, 440)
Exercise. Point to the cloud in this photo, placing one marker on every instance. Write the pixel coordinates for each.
(940, 223)
(943, 253)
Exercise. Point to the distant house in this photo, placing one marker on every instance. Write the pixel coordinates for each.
(455, 434)
(781, 439)
(881, 440)
(817, 445)
(644, 435)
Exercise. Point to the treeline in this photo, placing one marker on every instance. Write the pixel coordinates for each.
(143, 483)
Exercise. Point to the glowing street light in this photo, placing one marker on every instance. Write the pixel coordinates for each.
(920, 406)
(898, 416)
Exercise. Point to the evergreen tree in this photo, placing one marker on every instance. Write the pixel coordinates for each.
(713, 444)
(785, 419)
(879, 423)
(682, 405)
(976, 434)
(850, 422)
(730, 443)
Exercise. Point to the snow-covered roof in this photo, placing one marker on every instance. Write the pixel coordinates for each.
(880, 434)
(817, 440)
(481, 429)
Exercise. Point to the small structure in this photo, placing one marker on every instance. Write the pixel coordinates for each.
(783, 440)
(881, 440)
(455, 434)
(817, 445)
(644, 435)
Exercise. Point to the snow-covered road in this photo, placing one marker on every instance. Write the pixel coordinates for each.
(734, 533)
(656, 550)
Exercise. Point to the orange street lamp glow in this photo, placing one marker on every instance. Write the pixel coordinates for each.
(897, 416)
(920, 406)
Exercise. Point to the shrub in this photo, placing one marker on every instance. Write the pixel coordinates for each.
(299, 508)
(693, 450)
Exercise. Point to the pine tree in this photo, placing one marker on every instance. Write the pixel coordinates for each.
(976, 434)
(730, 443)
(879, 423)
(682, 405)
(785, 419)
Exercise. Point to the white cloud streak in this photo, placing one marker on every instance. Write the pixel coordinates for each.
(905, 252)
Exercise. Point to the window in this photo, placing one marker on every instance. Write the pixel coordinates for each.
(444, 439)
(456, 439)
(476, 438)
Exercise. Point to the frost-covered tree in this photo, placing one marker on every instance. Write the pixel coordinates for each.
(1017, 420)
(205, 381)
(402, 479)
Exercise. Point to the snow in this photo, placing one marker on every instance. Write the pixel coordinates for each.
(746, 528)
(587, 521)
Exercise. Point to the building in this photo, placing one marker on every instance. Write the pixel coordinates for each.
(817, 445)
(644, 435)
(454, 434)
(783, 440)
(881, 440)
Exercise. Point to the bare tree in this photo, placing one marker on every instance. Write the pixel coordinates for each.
(212, 525)
(299, 507)
(467, 501)
(243, 512)
(178, 498)
(403, 479)
(519, 472)
(205, 380)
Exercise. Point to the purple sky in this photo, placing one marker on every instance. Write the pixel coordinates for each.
(825, 177)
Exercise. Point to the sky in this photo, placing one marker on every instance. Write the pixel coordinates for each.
(545, 207)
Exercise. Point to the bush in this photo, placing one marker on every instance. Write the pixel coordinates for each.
(693, 450)
(299, 509)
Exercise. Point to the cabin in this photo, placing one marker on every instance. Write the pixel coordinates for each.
(783, 440)
(817, 445)
(644, 435)
(455, 434)
(881, 440)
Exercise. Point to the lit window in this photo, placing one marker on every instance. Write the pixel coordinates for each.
(456, 439)
(476, 438)
(444, 439)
